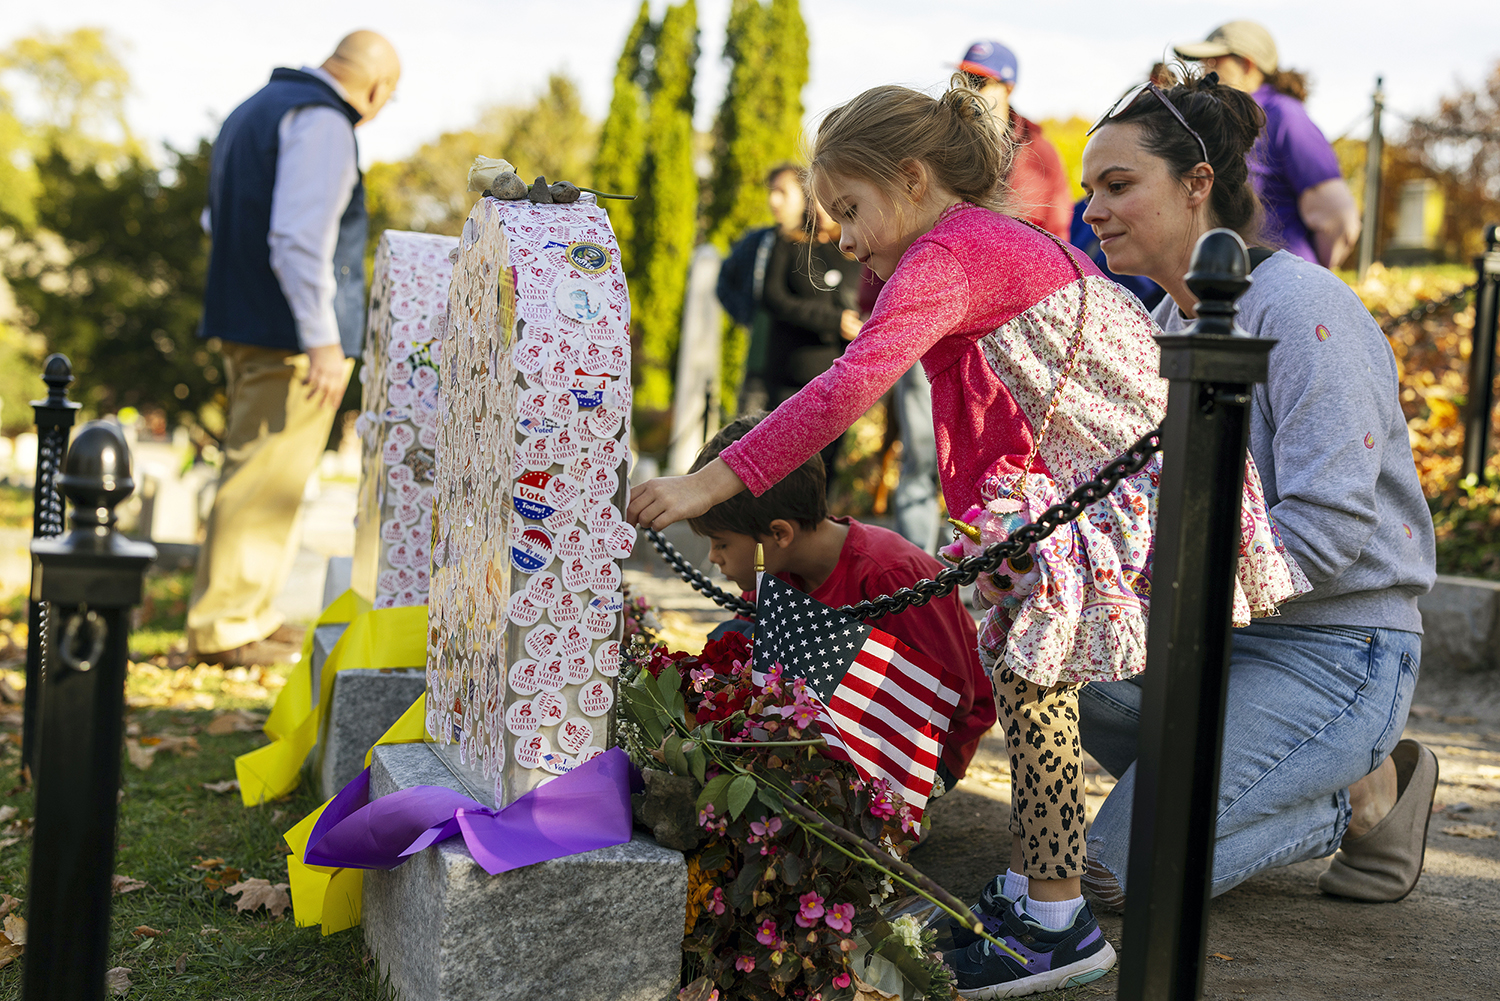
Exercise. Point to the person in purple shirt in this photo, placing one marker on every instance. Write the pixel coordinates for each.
(1309, 209)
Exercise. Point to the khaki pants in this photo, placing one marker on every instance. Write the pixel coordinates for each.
(273, 439)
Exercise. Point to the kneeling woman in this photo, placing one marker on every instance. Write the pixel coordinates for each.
(1318, 696)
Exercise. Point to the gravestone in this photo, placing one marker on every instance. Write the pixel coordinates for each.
(695, 397)
(525, 607)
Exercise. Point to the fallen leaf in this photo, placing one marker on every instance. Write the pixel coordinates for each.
(185, 746)
(125, 884)
(7, 813)
(117, 980)
(8, 903)
(182, 964)
(1220, 955)
(255, 893)
(145, 931)
(1423, 712)
(222, 880)
(15, 929)
(235, 721)
(7, 842)
(228, 785)
(1477, 831)
(9, 693)
(8, 954)
(140, 756)
(1461, 720)
(208, 930)
(208, 863)
(864, 992)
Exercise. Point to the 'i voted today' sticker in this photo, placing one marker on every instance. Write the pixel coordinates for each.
(529, 496)
(607, 658)
(595, 698)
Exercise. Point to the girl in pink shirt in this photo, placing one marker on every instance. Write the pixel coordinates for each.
(1042, 371)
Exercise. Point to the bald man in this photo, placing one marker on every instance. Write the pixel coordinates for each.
(285, 299)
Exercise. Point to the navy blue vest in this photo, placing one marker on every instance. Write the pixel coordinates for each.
(243, 301)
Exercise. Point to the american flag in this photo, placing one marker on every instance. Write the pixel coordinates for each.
(881, 705)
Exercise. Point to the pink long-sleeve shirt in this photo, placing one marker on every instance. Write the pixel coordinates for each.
(990, 307)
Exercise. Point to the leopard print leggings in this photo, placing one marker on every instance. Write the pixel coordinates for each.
(1046, 774)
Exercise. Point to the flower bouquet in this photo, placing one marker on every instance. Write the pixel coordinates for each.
(792, 852)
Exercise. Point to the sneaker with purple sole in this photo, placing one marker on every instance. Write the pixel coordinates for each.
(1073, 956)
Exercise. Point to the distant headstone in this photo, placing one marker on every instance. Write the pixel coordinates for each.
(695, 399)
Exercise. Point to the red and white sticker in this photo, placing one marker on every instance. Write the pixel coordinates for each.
(558, 763)
(603, 518)
(521, 718)
(550, 675)
(543, 590)
(399, 555)
(597, 624)
(595, 698)
(550, 708)
(570, 545)
(604, 421)
(589, 754)
(425, 379)
(577, 573)
(532, 550)
(528, 355)
(574, 734)
(392, 530)
(611, 359)
(578, 669)
(398, 475)
(523, 611)
(528, 751)
(608, 452)
(606, 577)
(565, 446)
(540, 640)
(602, 484)
(607, 658)
(522, 678)
(401, 395)
(536, 453)
(560, 407)
(620, 542)
(571, 642)
(567, 610)
(560, 520)
(408, 514)
(562, 490)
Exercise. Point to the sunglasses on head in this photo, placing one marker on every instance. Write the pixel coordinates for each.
(1133, 95)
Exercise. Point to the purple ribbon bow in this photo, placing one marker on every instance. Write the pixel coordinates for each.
(585, 809)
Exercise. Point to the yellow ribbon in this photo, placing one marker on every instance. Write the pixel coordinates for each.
(323, 895)
(375, 638)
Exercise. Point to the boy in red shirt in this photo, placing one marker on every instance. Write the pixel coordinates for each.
(839, 561)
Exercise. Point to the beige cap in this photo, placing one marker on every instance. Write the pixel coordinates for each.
(1237, 38)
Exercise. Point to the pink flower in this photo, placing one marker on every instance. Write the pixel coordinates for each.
(745, 964)
(811, 911)
(716, 901)
(700, 678)
(773, 681)
(766, 933)
(764, 828)
(881, 804)
(706, 816)
(799, 690)
(803, 716)
(841, 981)
(840, 917)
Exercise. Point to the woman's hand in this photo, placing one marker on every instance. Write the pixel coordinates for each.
(850, 324)
(669, 499)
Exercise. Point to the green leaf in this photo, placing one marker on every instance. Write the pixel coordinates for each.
(791, 869)
(870, 825)
(714, 793)
(668, 681)
(716, 855)
(697, 760)
(676, 760)
(770, 798)
(740, 792)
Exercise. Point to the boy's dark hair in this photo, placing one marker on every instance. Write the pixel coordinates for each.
(800, 496)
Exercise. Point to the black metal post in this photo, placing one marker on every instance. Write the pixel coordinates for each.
(1478, 413)
(1197, 544)
(54, 422)
(90, 579)
(1374, 153)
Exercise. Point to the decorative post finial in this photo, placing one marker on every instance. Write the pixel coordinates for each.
(1220, 275)
(57, 373)
(96, 476)
(760, 558)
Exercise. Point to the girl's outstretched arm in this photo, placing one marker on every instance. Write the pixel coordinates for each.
(669, 499)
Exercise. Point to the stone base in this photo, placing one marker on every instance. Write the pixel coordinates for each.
(364, 704)
(1461, 625)
(605, 925)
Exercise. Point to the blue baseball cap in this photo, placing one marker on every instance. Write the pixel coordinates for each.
(990, 59)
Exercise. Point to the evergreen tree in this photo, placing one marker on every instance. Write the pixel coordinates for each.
(667, 212)
(758, 125)
(622, 141)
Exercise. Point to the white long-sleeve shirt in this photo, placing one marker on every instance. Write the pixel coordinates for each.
(316, 169)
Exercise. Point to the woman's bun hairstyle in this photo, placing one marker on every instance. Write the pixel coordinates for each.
(1229, 121)
(885, 128)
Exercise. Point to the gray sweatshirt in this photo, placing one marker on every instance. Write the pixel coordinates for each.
(1329, 438)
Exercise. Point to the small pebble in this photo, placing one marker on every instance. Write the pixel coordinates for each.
(563, 193)
(540, 193)
(508, 187)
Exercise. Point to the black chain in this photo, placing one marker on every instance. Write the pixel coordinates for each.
(966, 570)
(1426, 309)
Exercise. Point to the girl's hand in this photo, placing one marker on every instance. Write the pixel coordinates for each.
(669, 499)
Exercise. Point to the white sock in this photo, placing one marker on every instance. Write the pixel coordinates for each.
(1015, 885)
(1055, 915)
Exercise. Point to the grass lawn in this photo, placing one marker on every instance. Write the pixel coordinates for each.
(186, 842)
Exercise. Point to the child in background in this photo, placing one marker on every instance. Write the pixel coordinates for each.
(1042, 371)
(840, 561)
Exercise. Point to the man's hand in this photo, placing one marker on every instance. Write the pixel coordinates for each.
(325, 375)
(669, 499)
(850, 324)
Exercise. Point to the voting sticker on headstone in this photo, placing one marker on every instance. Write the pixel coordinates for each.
(398, 423)
(534, 381)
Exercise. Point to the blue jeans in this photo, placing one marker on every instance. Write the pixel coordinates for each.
(1310, 710)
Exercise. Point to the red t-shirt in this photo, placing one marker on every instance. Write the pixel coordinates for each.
(876, 561)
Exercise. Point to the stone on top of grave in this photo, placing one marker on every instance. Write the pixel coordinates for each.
(398, 425)
(525, 609)
(364, 704)
(580, 928)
